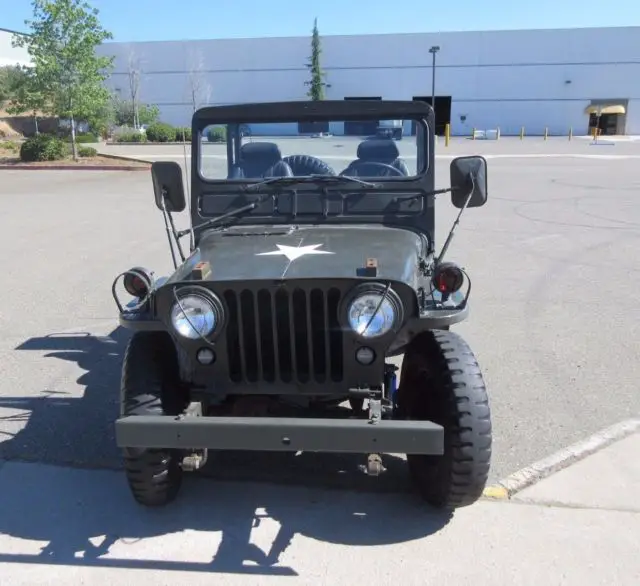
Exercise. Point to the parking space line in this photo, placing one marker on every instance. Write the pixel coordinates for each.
(530, 475)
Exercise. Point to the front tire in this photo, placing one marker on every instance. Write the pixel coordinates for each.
(441, 382)
(151, 386)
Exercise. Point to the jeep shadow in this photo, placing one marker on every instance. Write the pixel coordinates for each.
(70, 508)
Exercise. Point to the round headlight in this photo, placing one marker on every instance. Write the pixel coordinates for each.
(194, 316)
(366, 321)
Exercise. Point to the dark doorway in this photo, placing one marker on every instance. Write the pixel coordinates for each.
(443, 112)
(361, 127)
(313, 127)
(608, 124)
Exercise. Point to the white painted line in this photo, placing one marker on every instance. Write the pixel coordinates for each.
(562, 459)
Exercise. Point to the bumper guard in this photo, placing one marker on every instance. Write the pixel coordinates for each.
(280, 434)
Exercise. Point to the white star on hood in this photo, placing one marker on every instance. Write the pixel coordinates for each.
(293, 252)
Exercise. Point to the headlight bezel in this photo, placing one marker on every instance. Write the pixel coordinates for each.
(203, 294)
(375, 288)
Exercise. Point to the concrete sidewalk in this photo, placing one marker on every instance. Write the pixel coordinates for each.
(578, 526)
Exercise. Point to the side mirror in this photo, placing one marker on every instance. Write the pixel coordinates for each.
(168, 186)
(468, 176)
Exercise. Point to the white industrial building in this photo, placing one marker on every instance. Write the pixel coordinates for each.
(534, 79)
(10, 55)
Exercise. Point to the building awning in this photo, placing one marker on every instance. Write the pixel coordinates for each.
(600, 109)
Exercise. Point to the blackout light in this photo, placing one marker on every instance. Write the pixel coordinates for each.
(137, 282)
(447, 278)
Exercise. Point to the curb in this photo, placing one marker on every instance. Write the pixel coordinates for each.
(23, 167)
(123, 158)
(526, 477)
(74, 168)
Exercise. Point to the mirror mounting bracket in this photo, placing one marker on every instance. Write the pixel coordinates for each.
(447, 242)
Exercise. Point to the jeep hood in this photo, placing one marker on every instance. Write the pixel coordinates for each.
(302, 252)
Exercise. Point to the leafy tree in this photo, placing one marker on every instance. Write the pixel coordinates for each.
(125, 114)
(25, 95)
(10, 77)
(101, 119)
(316, 83)
(66, 69)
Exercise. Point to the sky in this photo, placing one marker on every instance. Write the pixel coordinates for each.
(157, 20)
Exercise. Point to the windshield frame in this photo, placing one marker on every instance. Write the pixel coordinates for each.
(310, 111)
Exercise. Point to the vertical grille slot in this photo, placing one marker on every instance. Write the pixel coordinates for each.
(285, 349)
(317, 326)
(335, 335)
(267, 336)
(292, 336)
(234, 347)
(300, 334)
(249, 325)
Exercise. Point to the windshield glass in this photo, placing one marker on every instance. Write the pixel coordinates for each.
(367, 149)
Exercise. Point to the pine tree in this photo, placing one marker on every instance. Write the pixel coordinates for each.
(316, 83)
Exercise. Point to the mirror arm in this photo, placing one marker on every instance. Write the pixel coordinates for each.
(175, 235)
(447, 242)
(165, 213)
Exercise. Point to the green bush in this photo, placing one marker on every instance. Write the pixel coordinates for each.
(130, 137)
(87, 152)
(86, 137)
(161, 132)
(187, 134)
(217, 134)
(43, 147)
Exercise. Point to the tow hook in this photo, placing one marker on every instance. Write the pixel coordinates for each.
(374, 461)
(193, 462)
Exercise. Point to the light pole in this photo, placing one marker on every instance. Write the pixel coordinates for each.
(433, 50)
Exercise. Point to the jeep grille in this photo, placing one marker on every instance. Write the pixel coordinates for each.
(280, 335)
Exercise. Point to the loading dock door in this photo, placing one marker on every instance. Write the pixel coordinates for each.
(361, 127)
(608, 117)
(443, 112)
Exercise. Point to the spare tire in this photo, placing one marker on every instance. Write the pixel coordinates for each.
(308, 165)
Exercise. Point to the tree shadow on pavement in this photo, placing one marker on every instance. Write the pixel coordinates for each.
(72, 508)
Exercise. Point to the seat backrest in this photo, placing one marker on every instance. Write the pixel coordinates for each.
(378, 150)
(261, 159)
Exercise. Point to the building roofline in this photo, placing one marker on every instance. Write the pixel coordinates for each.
(434, 34)
(8, 30)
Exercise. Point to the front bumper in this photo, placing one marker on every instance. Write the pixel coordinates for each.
(280, 434)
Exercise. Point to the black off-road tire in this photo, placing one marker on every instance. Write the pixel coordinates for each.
(441, 382)
(150, 385)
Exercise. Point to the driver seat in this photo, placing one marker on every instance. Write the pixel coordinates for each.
(376, 150)
(261, 159)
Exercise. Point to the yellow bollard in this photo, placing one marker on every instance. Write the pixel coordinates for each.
(473, 134)
(522, 133)
(570, 133)
(546, 133)
(447, 134)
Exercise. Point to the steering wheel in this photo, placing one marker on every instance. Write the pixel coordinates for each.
(389, 169)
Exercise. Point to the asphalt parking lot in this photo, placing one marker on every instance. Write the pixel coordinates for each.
(554, 304)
